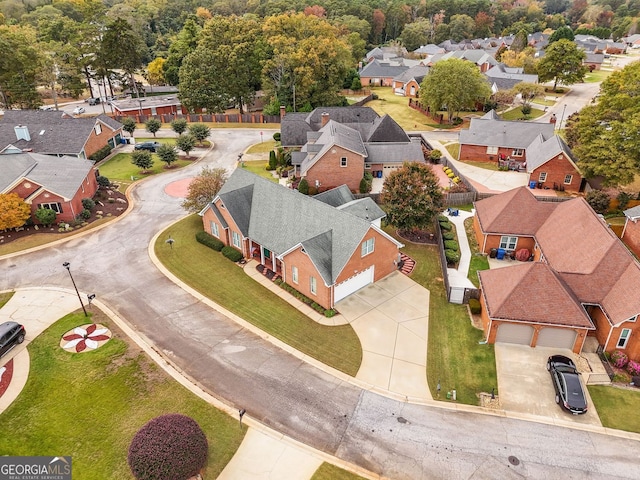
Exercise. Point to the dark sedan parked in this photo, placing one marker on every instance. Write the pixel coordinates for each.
(566, 381)
(11, 334)
(151, 146)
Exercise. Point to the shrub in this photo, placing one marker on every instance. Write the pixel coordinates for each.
(45, 216)
(86, 214)
(88, 204)
(452, 256)
(619, 359)
(276, 136)
(209, 240)
(451, 245)
(448, 236)
(171, 446)
(474, 306)
(329, 313)
(232, 254)
(103, 181)
(446, 226)
(451, 174)
(272, 161)
(303, 186)
(455, 179)
(633, 368)
(525, 109)
(598, 200)
(101, 154)
(623, 200)
(442, 218)
(435, 156)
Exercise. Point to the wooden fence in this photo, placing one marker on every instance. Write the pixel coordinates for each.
(416, 105)
(249, 118)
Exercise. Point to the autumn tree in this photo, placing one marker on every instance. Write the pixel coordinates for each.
(14, 212)
(455, 84)
(155, 72)
(412, 197)
(203, 188)
(484, 24)
(377, 26)
(562, 63)
(528, 91)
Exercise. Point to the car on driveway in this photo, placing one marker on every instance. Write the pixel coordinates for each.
(567, 384)
(78, 110)
(11, 334)
(151, 146)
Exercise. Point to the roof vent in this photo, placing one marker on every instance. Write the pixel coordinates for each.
(22, 132)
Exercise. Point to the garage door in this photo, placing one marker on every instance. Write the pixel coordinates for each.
(556, 337)
(352, 284)
(511, 333)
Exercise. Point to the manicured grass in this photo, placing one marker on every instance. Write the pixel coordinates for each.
(259, 168)
(90, 405)
(616, 220)
(617, 407)
(486, 165)
(453, 149)
(398, 108)
(597, 76)
(166, 141)
(227, 284)
(5, 297)
(478, 260)
(542, 101)
(120, 169)
(264, 147)
(454, 355)
(516, 114)
(326, 471)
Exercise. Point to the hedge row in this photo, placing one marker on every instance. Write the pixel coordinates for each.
(209, 240)
(232, 254)
(304, 299)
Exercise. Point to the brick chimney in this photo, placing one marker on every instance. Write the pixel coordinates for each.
(22, 132)
(325, 118)
(283, 111)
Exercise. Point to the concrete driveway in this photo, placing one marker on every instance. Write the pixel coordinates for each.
(525, 387)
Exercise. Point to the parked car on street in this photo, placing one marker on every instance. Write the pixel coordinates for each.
(78, 110)
(93, 101)
(566, 382)
(151, 146)
(11, 334)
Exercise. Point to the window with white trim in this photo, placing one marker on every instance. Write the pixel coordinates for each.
(235, 239)
(568, 179)
(343, 162)
(98, 129)
(624, 338)
(214, 229)
(294, 274)
(56, 207)
(517, 152)
(367, 166)
(367, 246)
(542, 177)
(508, 243)
(492, 150)
(313, 285)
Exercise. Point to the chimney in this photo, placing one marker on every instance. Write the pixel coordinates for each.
(325, 118)
(283, 110)
(22, 132)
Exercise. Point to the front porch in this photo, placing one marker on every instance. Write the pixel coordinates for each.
(271, 266)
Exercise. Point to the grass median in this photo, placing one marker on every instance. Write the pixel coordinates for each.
(224, 282)
(617, 407)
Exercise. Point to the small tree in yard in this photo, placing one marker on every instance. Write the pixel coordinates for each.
(46, 216)
(179, 125)
(169, 447)
(599, 201)
(142, 159)
(186, 143)
(168, 154)
(303, 186)
(199, 131)
(128, 125)
(204, 188)
(152, 125)
(412, 197)
(14, 212)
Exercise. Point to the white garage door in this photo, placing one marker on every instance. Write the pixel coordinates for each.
(352, 284)
(556, 337)
(511, 333)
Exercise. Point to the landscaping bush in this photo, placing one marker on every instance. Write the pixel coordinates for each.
(442, 218)
(619, 359)
(435, 156)
(276, 136)
(623, 199)
(272, 161)
(103, 181)
(446, 226)
(452, 256)
(169, 447)
(303, 186)
(209, 240)
(633, 368)
(101, 154)
(45, 216)
(598, 200)
(451, 245)
(451, 174)
(474, 306)
(88, 204)
(232, 254)
(86, 214)
(448, 236)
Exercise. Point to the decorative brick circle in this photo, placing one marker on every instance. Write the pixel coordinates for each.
(179, 188)
(6, 374)
(85, 338)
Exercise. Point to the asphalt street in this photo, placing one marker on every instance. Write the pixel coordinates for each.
(392, 438)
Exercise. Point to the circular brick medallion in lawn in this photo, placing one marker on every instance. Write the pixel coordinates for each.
(6, 374)
(85, 338)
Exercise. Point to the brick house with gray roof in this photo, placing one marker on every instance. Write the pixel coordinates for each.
(44, 181)
(326, 248)
(408, 82)
(582, 281)
(631, 231)
(57, 133)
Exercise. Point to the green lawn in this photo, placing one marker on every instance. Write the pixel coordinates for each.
(5, 297)
(232, 288)
(516, 114)
(90, 405)
(478, 261)
(617, 408)
(263, 147)
(259, 168)
(326, 471)
(597, 76)
(542, 101)
(454, 356)
(453, 149)
(398, 108)
(120, 169)
(486, 165)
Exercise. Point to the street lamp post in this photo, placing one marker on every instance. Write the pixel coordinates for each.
(562, 117)
(67, 265)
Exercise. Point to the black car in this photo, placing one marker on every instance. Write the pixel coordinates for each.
(11, 334)
(566, 381)
(151, 146)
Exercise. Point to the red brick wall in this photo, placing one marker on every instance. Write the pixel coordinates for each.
(493, 241)
(73, 207)
(478, 153)
(382, 82)
(556, 169)
(631, 236)
(306, 269)
(225, 235)
(22, 190)
(330, 174)
(633, 344)
(407, 91)
(96, 142)
(384, 253)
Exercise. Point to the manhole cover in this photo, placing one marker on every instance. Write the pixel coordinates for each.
(514, 460)
(402, 420)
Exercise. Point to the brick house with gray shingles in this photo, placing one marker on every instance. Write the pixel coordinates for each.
(582, 281)
(44, 181)
(631, 232)
(326, 247)
(57, 133)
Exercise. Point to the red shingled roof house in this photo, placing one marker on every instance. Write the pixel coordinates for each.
(582, 281)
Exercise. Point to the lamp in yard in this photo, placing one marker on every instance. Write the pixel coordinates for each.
(562, 116)
(170, 241)
(67, 265)
(91, 297)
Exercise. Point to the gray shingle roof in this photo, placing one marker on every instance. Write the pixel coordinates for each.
(14, 167)
(500, 71)
(417, 73)
(342, 198)
(379, 69)
(633, 212)
(541, 151)
(281, 218)
(394, 152)
(336, 196)
(503, 133)
(332, 134)
(386, 129)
